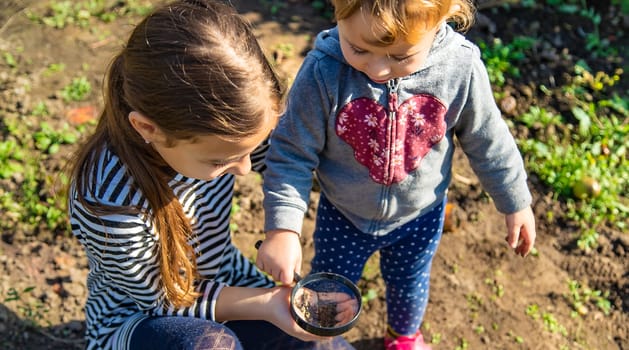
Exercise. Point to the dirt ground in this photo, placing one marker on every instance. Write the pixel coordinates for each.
(482, 295)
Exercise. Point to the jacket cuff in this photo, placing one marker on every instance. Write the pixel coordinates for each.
(283, 218)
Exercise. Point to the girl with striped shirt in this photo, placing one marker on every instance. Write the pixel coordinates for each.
(189, 103)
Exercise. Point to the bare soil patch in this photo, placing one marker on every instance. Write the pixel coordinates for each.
(480, 290)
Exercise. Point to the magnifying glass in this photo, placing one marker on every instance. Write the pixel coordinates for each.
(324, 303)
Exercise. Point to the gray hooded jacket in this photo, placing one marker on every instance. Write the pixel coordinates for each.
(382, 153)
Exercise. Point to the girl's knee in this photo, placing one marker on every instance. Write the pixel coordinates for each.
(216, 336)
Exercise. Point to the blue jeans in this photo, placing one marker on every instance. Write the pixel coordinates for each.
(188, 333)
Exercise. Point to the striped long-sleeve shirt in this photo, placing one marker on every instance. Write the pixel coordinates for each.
(122, 249)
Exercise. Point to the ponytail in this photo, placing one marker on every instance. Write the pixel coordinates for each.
(150, 175)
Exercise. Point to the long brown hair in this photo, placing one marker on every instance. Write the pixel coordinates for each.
(408, 19)
(194, 68)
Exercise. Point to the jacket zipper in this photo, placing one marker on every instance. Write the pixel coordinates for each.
(392, 87)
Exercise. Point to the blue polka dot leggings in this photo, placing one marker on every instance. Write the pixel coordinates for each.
(406, 255)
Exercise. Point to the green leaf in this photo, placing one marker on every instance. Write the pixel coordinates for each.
(584, 120)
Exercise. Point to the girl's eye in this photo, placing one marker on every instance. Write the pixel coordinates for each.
(219, 165)
(227, 162)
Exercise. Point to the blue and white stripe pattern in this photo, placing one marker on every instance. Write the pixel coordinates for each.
(122, 250)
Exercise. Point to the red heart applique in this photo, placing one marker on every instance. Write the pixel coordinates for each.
(390, 149)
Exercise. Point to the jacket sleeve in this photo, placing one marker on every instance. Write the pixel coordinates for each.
(491, 149)
(294, 151)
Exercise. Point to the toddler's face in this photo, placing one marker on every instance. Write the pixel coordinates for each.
(358, 35)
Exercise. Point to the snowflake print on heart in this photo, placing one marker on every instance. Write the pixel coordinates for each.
(392, 147)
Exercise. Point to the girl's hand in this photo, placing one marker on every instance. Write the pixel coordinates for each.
(279, 309)
(521, 231)
(268, 304)
(280, 255)
(346, 305)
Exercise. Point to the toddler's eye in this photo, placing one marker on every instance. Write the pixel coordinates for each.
(400, 59)
(357, 51)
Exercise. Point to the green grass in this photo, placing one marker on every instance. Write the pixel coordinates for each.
(587, 144)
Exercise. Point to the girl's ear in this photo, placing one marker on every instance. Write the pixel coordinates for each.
(145, 127)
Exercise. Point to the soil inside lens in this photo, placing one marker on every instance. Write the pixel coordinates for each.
(320, 314)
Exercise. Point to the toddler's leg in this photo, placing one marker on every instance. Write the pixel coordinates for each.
(339, 246)
(405, 267)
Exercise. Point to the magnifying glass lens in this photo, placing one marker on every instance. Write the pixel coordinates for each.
(326, 304)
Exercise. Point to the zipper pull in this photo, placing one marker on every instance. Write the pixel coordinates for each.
(392, 86)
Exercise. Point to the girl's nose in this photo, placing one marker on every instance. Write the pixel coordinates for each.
(241, 167)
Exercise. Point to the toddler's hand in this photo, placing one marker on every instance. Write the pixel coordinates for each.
(280, 255)
(521, 231)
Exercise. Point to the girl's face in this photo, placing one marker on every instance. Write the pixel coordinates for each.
(357, 35)
(207, 157)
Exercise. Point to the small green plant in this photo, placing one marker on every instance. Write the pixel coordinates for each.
(60, 14)
(550, 322)
(49, 139)
(588, 239)
(273, 6)
(474, 304)
(516, 338)
(580, 296)
(54, 68)
(40, 110)
(436, 338)
(78, 90)
(552, 325)
(497, 288)
(11, 157)
(533, 311)
(39, 204)
(463, 344)
(540, 119)
(137, 7)
(369, 296)
(454, 268)
(9, 59)
(34, 312)
(283, 51)
(36, 200)
(501, 58)
(600, 47)
(371, 270)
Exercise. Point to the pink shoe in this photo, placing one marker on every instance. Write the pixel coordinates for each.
(406, 342)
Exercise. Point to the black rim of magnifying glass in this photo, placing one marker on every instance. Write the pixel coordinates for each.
(325, 331)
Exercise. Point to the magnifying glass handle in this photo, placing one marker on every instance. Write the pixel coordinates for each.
(296, 276)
